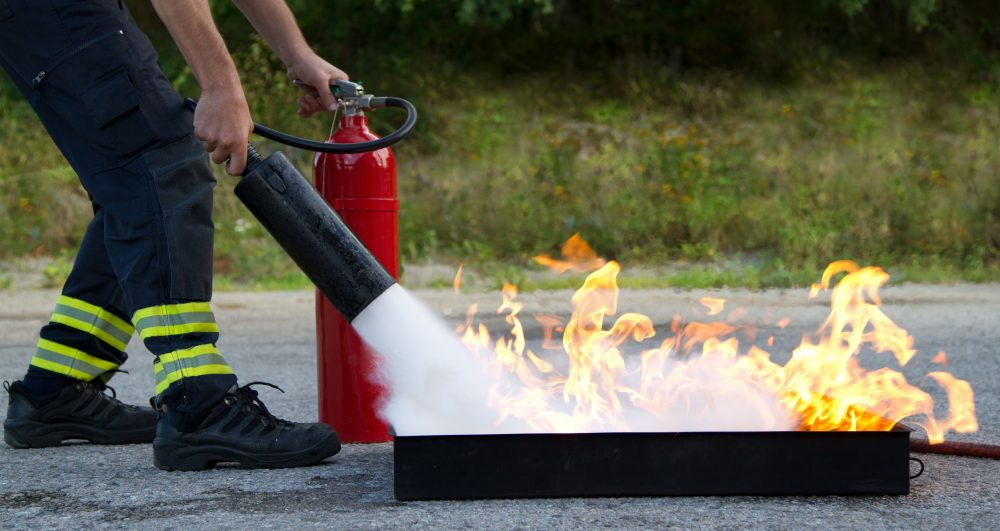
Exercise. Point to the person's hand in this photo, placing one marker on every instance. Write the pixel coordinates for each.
(222, 122)
(317, 75)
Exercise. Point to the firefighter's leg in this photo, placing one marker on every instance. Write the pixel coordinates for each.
(90, 326)
(62, 395)
(159, 238)
(125, 131)
(92, 77)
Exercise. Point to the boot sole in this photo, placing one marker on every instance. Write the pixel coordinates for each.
(28, 434)
(173, 455)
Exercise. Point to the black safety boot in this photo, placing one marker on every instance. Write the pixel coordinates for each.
(78, 411)
(240, 429)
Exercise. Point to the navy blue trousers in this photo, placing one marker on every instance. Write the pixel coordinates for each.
(145, 262)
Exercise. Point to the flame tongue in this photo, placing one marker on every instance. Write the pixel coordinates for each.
(595, 362)
(699, 379)
(577, 254)
(828, 388)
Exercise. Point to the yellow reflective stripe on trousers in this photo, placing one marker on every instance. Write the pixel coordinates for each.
(68, 361)
(92, 320)
(101, 313)
(175, 319)
(201, 360)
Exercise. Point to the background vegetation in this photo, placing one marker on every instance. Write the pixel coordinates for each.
(740, 143)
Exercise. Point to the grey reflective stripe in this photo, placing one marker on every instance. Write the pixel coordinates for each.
(175, 319)
(98, 323)
(187, 363)
(67, 361)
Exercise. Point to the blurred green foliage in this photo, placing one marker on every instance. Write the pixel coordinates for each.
(746, 142)
(400, 41)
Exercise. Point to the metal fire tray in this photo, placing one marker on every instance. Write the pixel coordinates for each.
(651, 464)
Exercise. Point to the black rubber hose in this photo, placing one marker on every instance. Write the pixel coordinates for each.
(325, 147)
(965, 449)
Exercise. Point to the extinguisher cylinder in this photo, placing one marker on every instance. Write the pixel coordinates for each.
(314, 236)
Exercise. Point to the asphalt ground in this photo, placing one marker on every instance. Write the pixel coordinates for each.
(271, 337)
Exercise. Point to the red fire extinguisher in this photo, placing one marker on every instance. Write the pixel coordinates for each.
(361, 188)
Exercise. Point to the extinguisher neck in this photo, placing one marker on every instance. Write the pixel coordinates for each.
(353, 121)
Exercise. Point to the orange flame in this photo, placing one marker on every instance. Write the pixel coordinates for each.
(699, 372)
(550, 326)
(577, 254)
(714, 306)
(457, 283)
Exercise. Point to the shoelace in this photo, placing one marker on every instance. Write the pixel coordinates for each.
(95, 384)
(101, 382)
(249, 396)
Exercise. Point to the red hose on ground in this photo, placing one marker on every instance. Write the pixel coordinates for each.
(965, 449)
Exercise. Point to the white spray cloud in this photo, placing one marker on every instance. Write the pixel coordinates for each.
(437, 386)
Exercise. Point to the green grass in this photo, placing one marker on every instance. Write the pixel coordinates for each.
(707, 180)
(701, 276)
(876, 165)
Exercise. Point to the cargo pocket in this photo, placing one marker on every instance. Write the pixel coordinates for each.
(113, 106)
(184, 183)
(94, 77)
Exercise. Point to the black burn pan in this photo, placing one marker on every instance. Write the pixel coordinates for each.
(651, 464)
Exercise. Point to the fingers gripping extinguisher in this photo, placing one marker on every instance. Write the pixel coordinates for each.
(355, 171)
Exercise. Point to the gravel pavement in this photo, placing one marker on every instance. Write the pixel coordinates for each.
(271, 337)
